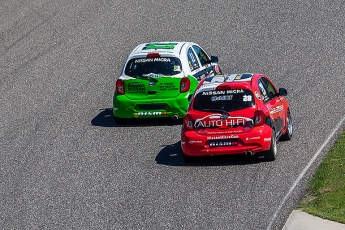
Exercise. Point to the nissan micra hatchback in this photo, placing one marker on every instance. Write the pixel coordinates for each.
(236, 114)
(159, 78)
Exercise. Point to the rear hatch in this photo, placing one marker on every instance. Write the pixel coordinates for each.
(223, 112)
(155, 76)
(154, 86)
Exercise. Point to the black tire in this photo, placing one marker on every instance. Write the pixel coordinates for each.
(271, 154)
(120, 121)
(288, 134)
(188, 159)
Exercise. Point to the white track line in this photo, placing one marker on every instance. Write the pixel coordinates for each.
(304, 172)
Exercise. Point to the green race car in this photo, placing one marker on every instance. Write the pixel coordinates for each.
(159, 78)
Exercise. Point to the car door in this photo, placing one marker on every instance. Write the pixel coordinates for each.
(272, 103)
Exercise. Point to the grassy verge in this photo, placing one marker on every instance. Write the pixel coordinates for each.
(326, 191)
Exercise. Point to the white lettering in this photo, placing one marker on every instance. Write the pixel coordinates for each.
(277, 109)
(219, 123)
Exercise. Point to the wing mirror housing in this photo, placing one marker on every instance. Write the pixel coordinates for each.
(214, 59)
(282, 92)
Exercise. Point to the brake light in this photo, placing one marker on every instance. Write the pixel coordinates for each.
(185, 84)
(188, 122)
(153, 55)
(120, 87)
(223, 87)
(259, 118)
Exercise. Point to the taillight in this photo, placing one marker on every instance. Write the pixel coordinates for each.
(120, 87)
(259, 118)
(188, 122)
(185, 84)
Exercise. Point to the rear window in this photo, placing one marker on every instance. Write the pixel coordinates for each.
(167, 66)
(228, 100)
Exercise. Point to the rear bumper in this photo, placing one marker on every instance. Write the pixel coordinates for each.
(150, 108)
(257, 140)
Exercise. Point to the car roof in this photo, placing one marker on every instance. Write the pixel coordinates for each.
(234, 80)
(168, 47)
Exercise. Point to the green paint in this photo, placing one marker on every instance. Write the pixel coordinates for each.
(161, 45)
(163, 90)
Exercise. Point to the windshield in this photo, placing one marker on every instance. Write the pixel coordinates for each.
(167, 66)
(227, 100)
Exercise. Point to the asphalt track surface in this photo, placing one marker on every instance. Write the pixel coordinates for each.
(64, 163)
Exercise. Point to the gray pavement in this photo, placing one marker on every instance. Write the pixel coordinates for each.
(66, 165)
(299, 220)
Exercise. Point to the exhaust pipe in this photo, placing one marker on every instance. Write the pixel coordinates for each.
(175, 117)
(250, 153)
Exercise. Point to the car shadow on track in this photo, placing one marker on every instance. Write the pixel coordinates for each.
(172, 155)
(105, 119)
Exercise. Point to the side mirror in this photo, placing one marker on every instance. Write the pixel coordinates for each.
(214, 59)
(282, 92)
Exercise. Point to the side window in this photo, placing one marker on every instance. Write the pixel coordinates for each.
(270, 89)
(204, 59)
(192, 61)
(263, 90)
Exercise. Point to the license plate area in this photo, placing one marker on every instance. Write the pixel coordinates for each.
(223, 143)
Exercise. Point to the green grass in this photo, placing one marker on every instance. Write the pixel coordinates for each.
(326, 191)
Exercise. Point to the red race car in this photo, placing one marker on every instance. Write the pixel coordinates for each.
(236, 114)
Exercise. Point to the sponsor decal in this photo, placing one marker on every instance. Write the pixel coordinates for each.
(142, 60)
(222, 137)
(150, 114)
(263, 90)
(149, 51)
(219, 132)
(152, 75)
(218, 120)
(222, 98)
(258, 95)
(194, 142)
(136, 88)
(277, 109)
(222, 92)
(167, 86)
(267, 139)
(252, 138)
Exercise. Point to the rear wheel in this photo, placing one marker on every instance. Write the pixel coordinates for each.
(288, 134)
(271, 154)
(120, 120)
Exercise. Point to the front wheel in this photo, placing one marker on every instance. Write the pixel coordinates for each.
(271, 154)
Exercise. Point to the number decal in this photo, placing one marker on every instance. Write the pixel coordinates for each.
(247, 98)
